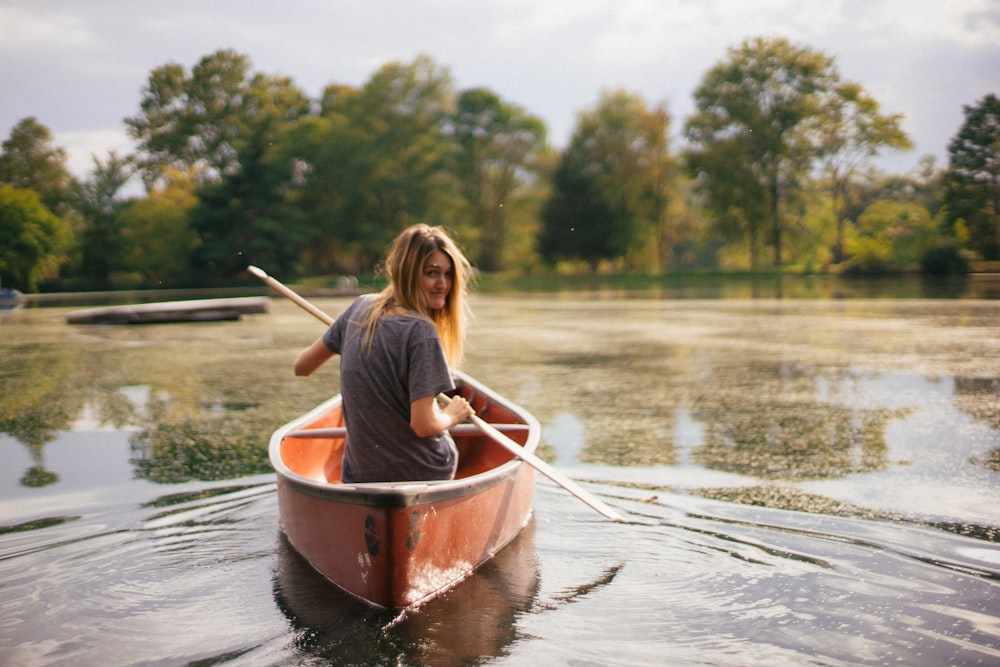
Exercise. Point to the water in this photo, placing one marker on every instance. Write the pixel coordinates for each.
(807, 482)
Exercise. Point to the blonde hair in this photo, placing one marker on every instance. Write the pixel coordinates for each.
(404, 266)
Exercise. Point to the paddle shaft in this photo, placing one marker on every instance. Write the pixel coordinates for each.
(285, 291)
(498, 437)
(541, 466)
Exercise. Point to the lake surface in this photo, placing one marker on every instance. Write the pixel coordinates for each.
(807, 481)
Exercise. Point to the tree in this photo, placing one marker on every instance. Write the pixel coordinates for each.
(973, 178)
(734, 195)
(101, 242)
(202, 121)
(754, 111)
(34, 239)
(610, 183)
(157, 231)
(226, 125)
(373, 163)
(891, 237)
(30, 161)
(851, 132)
(246, 217)
(577, 222)
(496, 143)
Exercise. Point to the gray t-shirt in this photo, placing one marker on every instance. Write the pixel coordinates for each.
(406, 362)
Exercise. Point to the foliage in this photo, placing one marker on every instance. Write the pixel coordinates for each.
(35, 239)
(892, 237)
(30, 162)
(242, 167)
(973, 178)
(157, 231)
(764, 117)
(102, 243)
(496, 145)
(732, 196)
(202, 122)
(246, 219)
(372, 163)
(754, 114)
(852, 131)
(610, 183)
(944, 259)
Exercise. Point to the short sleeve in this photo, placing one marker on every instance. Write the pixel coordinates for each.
(429, 373)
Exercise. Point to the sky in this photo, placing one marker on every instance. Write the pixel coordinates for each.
(80, 66)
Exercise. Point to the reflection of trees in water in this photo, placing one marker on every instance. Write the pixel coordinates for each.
(980, 399)
(775, 421)
(208, 447)
(200, 409)
(794, 442)
(765, 419)
(46, 390)
(37, 476)
(40, 398)
(214, 421)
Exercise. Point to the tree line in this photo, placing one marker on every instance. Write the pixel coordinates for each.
(240, 167)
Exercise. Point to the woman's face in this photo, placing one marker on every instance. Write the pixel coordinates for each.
(438, 277)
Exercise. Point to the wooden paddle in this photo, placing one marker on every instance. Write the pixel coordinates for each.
(285, 291)
(541, 466)
(510, 445)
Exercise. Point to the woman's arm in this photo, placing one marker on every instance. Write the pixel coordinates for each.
(427, 419)
(312, 358)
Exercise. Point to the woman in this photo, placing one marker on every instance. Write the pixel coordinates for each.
(397, 349)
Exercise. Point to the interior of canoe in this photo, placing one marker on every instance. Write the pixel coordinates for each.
(319, 458)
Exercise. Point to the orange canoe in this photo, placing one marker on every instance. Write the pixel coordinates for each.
(400, 544)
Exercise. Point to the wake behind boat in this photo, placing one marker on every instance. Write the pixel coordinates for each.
(400, 544)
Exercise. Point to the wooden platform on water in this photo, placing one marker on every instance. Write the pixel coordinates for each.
(198, 310)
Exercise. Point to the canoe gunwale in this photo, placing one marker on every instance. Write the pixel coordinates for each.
(400, 494)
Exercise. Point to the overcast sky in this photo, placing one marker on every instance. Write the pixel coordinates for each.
(79, 66)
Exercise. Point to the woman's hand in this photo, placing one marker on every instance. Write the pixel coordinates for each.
(459, 410)
(427, 419)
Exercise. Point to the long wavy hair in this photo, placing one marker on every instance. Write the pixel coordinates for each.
(404, 266)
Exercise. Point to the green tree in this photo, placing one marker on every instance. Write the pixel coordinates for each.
(851, 132)
(756, 111)
(202, 121)
(374, 162)
(733, 196)
(497, 143)
(30, 161)
(246, 216)
(157, 231)
(973, 177)
(102, 245)
(609, 186)
(246, 219)
(33, 240)
(891, 237)
(577, 222)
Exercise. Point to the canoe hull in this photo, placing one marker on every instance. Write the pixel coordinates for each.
(398, 545)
